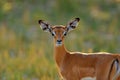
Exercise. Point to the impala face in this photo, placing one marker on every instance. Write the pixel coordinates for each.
(59, 31)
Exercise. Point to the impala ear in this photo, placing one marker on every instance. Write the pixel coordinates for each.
(44, 26)
(73, 24)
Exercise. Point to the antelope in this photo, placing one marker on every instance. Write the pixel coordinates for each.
(78, 65)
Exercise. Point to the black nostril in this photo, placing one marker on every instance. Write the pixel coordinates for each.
(59, 40)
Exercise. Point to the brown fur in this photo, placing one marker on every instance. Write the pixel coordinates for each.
(77, 65)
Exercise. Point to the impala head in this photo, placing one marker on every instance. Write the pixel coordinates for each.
(59, 31)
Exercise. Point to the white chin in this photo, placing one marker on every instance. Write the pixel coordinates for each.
(58, 44)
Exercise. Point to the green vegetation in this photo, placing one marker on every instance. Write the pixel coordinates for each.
(26, 52)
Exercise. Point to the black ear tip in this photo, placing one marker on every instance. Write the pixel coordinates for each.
(78, 19)
(39, 21)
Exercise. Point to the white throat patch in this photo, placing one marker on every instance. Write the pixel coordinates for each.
(58, 44)
(89, 78)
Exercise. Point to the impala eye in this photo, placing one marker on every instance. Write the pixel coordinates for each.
(65, 33)
(53, 33)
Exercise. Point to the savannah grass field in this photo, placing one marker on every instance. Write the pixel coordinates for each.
(26, 52)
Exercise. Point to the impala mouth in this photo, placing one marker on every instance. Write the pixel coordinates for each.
(58, 43)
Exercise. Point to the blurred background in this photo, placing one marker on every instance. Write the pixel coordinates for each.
(26, 52)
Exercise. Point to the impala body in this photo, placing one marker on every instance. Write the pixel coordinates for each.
(78, 65)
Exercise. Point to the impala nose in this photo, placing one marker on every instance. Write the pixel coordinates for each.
(59, 41)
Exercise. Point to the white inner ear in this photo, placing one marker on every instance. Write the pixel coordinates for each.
(74, 23)
(44, 26)
(69, 28)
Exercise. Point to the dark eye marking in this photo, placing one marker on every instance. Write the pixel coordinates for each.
(53, 33)
(65, 33)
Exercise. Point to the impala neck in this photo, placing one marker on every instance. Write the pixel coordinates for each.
(60, 52)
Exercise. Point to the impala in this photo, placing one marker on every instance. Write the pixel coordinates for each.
(78, 65)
